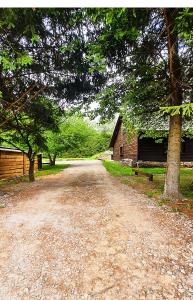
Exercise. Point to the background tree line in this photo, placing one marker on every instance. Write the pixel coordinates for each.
(76, 138)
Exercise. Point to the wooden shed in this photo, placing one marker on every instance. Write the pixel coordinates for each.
(14, 163)
(142, 149)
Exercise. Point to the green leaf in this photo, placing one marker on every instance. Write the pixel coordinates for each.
(24, 60)
(35, 39)
(185, 109)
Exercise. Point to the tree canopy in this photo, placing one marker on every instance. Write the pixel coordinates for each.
(136, 61)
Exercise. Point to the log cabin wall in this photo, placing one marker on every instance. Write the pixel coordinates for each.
(130, 147)
(117, 146)
(14, 163)
(187, 150)
(124, 149)
(149, 150)
(146, 149)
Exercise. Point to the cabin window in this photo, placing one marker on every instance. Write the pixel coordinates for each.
(121, 152)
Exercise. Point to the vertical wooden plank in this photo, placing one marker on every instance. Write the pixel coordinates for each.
(24, 164)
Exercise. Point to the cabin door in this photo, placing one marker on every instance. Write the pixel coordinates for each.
(121, 152)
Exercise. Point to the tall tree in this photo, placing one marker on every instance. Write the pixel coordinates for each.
(41, 57)
(148, 59)
(45, 47)
(172, 187)
(25, 129)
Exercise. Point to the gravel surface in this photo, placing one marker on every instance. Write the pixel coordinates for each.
(81, 234)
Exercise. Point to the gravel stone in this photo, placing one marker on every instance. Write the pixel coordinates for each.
(82, 235)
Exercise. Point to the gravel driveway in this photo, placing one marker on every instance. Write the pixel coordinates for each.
(81, 234)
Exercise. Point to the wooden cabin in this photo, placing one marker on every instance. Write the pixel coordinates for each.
(144, 149)
(14, 163)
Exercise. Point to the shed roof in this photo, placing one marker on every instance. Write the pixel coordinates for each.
(116, 131)
(10, 149)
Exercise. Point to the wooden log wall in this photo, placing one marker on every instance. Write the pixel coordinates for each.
(14, 163)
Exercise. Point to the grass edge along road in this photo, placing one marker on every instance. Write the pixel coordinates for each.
(48, 170)
(154, 189)
(45, 171)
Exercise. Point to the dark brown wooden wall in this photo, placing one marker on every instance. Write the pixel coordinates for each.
(187, 150)
(149, 150)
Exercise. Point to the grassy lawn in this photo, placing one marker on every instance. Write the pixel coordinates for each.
(116, 169)
(48, 170)
(155, 188)
(46, 160)
(93, 157)
(153, 170)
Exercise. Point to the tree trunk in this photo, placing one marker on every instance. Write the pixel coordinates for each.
(31, 169)
(172, 182)
(31, 156)
(52, 159)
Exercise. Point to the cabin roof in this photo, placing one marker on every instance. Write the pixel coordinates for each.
(119, 123)
(10, 149)
(116, 131)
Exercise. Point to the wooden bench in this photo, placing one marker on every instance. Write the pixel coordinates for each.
(137, 172)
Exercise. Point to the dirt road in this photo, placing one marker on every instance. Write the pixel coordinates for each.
(83, 235)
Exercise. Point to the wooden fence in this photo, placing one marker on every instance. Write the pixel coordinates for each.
(14, 163)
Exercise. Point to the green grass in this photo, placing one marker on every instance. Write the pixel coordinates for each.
(163, 202)
(93, 157)
(46, 160)
(48, 170)
(157, 171)
(151, 194)
(155, 188)
(124, 181)
(116, 169)
(186, 171)
(153, 170)
(74, 158)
